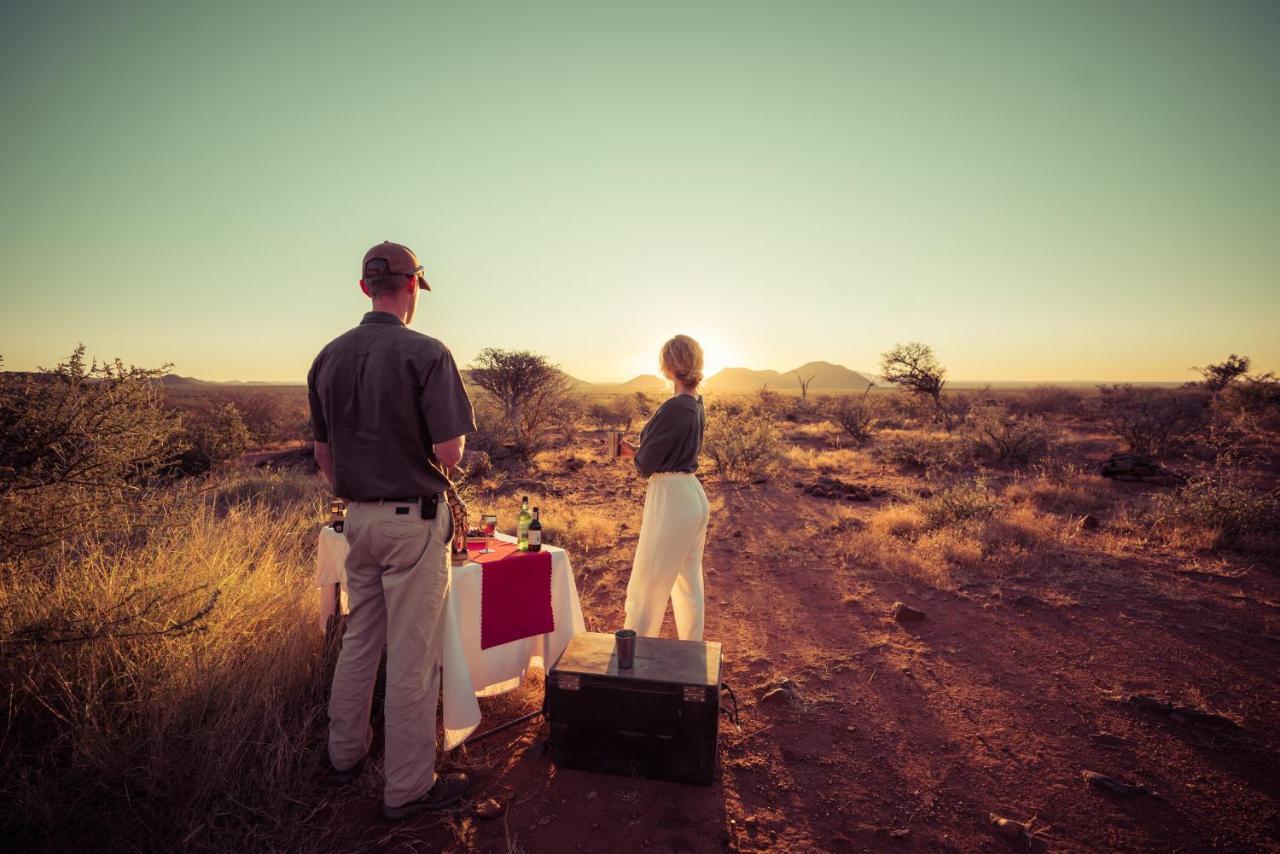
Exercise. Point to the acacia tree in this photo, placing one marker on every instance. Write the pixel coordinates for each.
(529, 390)
(1218, 377)
(914, 368)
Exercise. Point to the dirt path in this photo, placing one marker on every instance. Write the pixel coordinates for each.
(908, 736)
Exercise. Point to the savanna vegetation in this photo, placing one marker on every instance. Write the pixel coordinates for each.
(163, 679)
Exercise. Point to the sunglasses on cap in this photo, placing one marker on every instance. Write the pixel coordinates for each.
(378, 267)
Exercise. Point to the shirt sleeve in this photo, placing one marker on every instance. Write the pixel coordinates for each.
(319, 426)
(445, 405)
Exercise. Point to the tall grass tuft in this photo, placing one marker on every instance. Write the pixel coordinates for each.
(169, 696)
(960, 535)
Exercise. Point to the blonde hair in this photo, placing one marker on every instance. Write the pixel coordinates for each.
(682, 358)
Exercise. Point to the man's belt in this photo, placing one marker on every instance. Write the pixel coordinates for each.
(427, 504)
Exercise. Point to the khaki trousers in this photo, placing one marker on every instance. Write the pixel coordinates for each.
(668, 562)
(397, 581)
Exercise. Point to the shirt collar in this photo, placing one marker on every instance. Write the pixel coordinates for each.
(380, 317)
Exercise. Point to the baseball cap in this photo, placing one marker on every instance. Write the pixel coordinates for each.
(387, 259)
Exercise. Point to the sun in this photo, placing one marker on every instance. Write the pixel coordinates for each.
(717, 354)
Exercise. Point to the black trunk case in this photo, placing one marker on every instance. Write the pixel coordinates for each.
(660, 719)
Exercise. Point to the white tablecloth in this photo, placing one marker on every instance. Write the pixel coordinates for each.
(469, 671)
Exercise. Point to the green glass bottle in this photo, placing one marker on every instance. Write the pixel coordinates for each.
(522, 525)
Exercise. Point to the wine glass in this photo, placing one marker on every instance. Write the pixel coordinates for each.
(488, 526)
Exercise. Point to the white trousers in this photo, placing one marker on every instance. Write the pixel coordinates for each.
(668, 562)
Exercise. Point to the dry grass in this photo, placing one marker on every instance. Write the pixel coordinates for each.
(961, 535)
(931, 452)
(828, 462)
(203, 739)
(580, 530)
(1090, 494)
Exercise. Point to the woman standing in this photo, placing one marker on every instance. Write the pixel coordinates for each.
(668, 562)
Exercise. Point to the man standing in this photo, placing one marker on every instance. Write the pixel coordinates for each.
(390, 417)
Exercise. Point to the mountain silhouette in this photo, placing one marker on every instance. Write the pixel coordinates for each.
(825, 377)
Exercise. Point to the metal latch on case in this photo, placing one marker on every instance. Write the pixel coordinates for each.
(695, 694)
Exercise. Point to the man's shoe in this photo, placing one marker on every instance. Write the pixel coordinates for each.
(447, 791)
(334, 777)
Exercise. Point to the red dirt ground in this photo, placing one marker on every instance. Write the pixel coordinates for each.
(907, 737)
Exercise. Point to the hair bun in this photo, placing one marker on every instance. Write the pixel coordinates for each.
(681, 358)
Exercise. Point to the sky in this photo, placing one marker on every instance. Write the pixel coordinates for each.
(1083, 190)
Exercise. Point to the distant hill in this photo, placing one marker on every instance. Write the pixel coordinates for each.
(175, 381)
(647, 383)
(826, 377)
(829, 377)
(744, 379)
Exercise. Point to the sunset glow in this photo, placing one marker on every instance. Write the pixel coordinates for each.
(1048, 194)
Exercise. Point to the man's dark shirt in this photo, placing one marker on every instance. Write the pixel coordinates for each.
(381, 396)
(672, 438)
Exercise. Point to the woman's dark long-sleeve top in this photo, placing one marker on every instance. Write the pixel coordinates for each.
(672, 438)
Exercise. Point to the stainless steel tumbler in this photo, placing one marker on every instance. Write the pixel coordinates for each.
(625, 644)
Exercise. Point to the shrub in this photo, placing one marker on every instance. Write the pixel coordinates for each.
(645, 404)
(273, 417)
(958, 503)
(1229, 512)
(1258, 397)
(1046, 400)
(804, 410)
(74, 442)
(1004, 437)
(1153, 420)
(617, 413)
(211, 437)
(742, 444)
(854, 414)
(932, 452)
(566, 418)
(601, 416)
(771, 404)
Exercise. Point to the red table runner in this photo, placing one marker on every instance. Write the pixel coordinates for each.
(515, 593)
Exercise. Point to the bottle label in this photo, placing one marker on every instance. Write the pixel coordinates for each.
(535, 537)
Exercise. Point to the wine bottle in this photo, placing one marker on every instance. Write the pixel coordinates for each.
(522, 525)
(535, 533)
